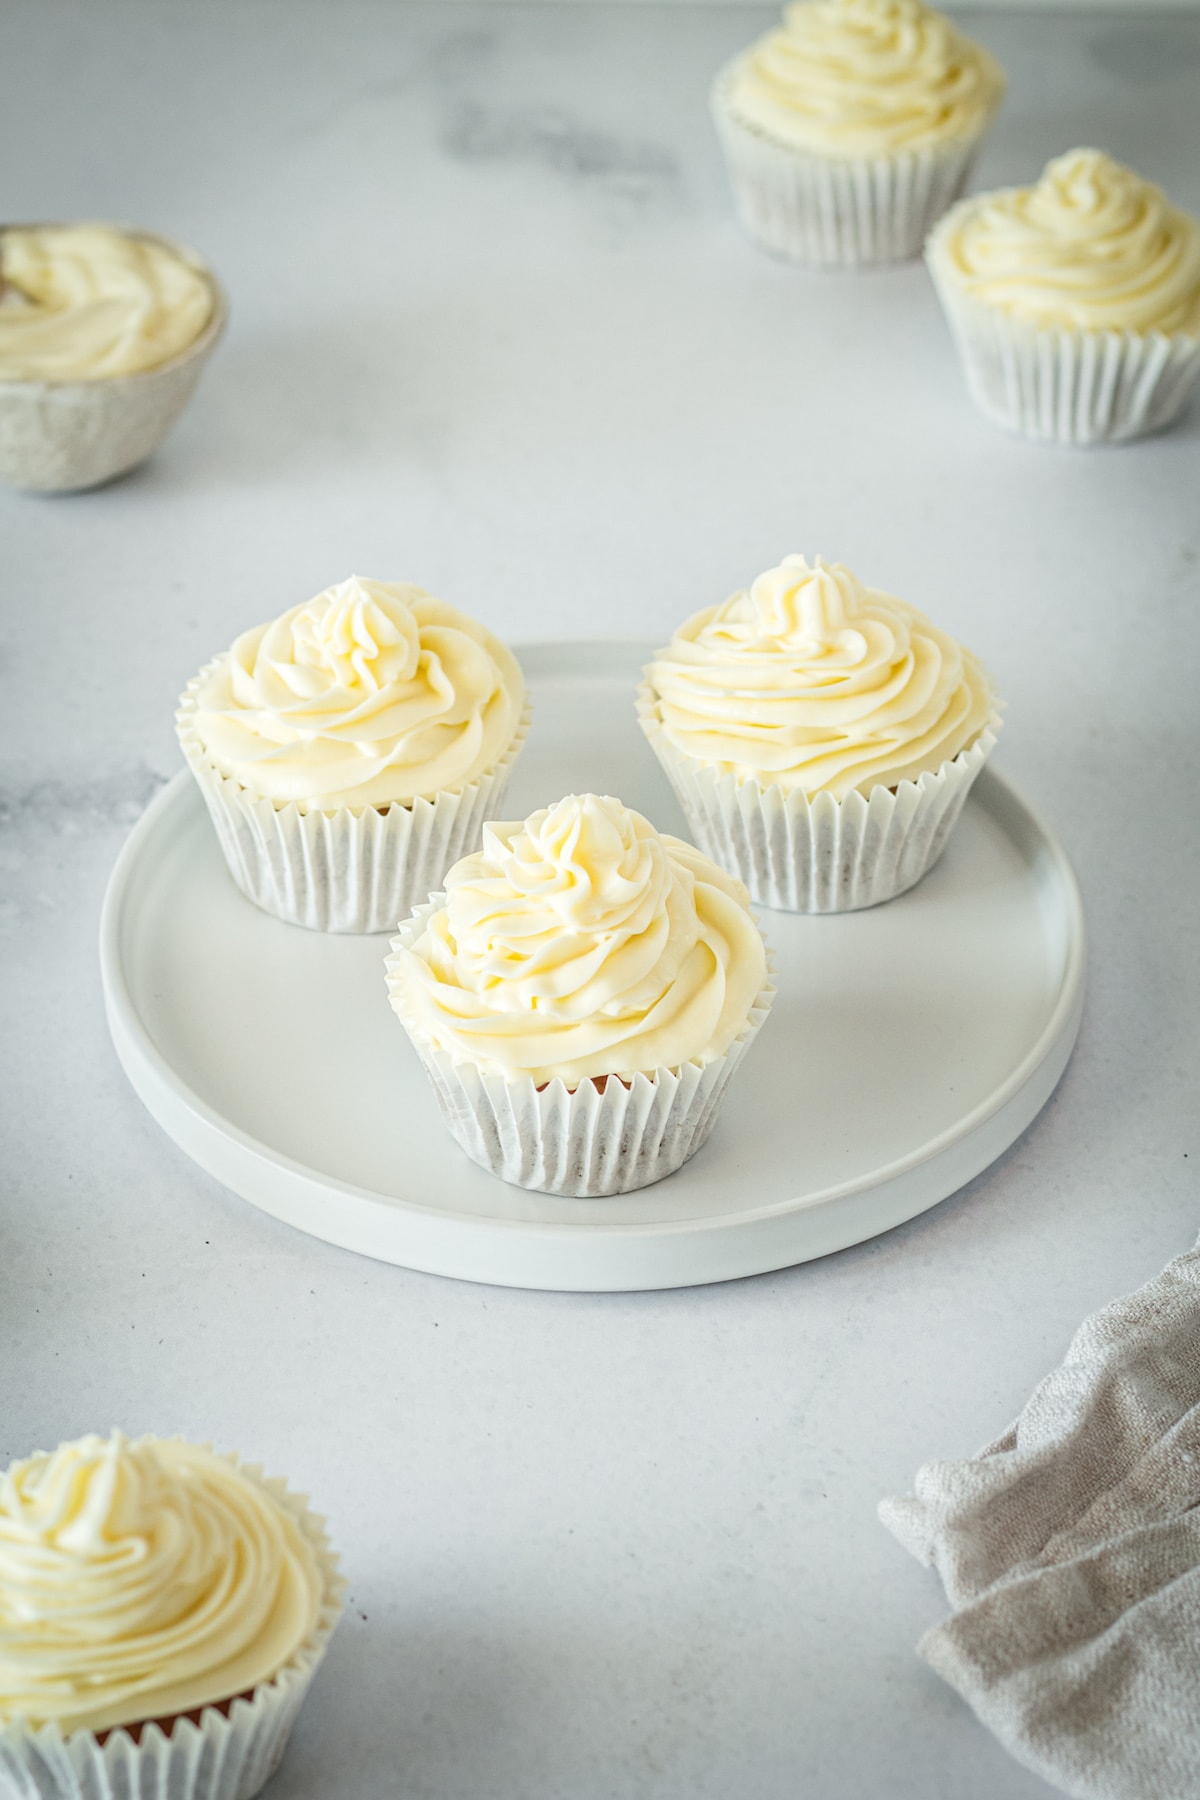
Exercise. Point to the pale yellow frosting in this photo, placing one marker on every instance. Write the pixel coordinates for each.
(139, 1580)
(865, 78)
(582, 943)
(371, 693)
(79, 302)
(813, 681)
(1090, 246)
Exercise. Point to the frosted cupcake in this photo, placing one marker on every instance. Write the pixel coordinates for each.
(1075, 303)
(821, 736)
(162, 1613)
(350, 751)
(850, 128)
(580, 995)
(103, 334)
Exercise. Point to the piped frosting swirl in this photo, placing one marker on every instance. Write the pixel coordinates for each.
(1089, 246)
(370, 694)
(82, 302)
(140, 1580)
(811, 680)
(582, 943)
(865, 78)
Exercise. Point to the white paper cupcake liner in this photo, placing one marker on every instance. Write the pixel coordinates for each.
(837, 211)
(1057, 385)
(62, 436)
(221, 1758)
(822, 855)
(351, 870)
(580, 1144)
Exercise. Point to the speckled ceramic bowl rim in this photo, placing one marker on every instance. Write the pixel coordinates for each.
(199, 346)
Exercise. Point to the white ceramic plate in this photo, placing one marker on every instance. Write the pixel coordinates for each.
(908, 1047)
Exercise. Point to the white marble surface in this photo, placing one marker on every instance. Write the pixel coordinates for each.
(494, 329)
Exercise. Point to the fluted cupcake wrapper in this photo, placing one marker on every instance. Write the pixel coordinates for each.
(583, 1143)
(837, 211)
(1062, 386)
(355, 869)
(223, 1757)
(821, 855)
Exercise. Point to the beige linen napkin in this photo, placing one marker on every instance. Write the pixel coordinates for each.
(1070, 1549)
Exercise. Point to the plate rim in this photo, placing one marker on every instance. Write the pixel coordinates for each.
(133, 1040)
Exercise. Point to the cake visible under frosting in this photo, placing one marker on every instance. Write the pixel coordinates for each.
(810, 680)
(374, 692)
(81, 302)
(142, 1579)
(582, 943)
(865, 78)
(1091, 245)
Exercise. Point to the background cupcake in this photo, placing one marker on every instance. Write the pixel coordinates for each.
(821, 736)
(162, 1613)
(104, 331)
(350, 751)
(850, 128)
(580, 995)
(1075, 303)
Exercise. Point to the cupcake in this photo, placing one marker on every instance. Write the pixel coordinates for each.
(162, 1612)
(580, 995)
(103, 333)
(350, 751)
(1075, 303)
(821, 736)
(850, 128)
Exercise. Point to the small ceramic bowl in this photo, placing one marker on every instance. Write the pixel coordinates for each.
(59, 436)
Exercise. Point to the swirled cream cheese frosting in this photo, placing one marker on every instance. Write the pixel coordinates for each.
(142, 1579)
(1090, 246)
(82, 302)
(811, 680)
(582, 943)
(865, 78)
(372, 693)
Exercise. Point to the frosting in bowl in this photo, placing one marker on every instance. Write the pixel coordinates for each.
(81, 302)
(582, 943)
(1090, 246)
(865, 78)
(811, 680)
(370, 694)
(140, 1580)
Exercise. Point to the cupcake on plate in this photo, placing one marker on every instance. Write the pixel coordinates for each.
(1075, 303)
(350, 751)
(852, 126)
(580, 995)
(821, 736)
(104, 331)
(163, 1610)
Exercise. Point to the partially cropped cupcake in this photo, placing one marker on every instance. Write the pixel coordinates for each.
(580, 995)
(163, 1611)
(104, 331)
(821, 736)
(350, 751)
(850, 128)
(1075, 303)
